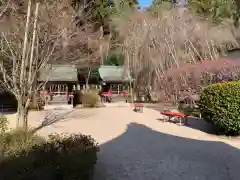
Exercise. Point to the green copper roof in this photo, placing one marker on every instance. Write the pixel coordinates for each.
(114, 73)
(58, 73)
(233, 54)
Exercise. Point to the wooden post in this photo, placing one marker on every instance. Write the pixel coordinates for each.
(66, 91)
(78, 87)
(58, 89)
(72, 97)
(43, 89)
(44, 95)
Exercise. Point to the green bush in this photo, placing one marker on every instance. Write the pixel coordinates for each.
(219, 105)
(91, 99)
(61, 157)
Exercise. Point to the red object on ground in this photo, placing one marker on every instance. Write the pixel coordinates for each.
(44, 93)
(107, 93)
(70, 94)
(124, 92)
(139, 105)
(169, 113)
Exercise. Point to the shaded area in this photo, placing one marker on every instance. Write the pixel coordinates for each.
(144, 154)
(201, 125)
(194, 123)
(8, 102)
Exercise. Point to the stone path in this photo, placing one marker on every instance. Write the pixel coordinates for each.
(137, 146)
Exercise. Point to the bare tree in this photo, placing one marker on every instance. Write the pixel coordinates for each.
(154, 44)
(47, 33)
(4, 7)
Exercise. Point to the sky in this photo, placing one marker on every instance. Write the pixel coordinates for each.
(144, 3)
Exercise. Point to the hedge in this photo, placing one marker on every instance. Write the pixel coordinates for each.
(220, 105)
(60, 157)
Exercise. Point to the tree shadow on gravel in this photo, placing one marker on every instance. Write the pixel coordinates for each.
(193, 122)
(196, 123)
(53, 117)
(141, 153)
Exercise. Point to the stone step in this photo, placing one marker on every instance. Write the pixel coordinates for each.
(58, 107)
(59, 100)
(117, 104)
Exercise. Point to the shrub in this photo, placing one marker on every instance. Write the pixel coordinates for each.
(62, 157)
(3, 123)
(77, 98)
(219, 105)
(17, 140)
(91, 99)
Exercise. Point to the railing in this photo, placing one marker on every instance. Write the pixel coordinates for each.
(7, 108)
(51, 97)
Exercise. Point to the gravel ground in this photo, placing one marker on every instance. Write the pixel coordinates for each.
(143, 154)
(137, 146)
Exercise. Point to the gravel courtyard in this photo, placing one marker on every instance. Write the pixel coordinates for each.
(137, 146)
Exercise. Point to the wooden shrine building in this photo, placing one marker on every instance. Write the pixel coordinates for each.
(61, 79)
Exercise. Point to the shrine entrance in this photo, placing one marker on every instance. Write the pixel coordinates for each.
(58, 93)
(60, 83)
(58, 89)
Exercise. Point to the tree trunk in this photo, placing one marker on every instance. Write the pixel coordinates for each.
(35, 97)
(22, 115)
(87, 79)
